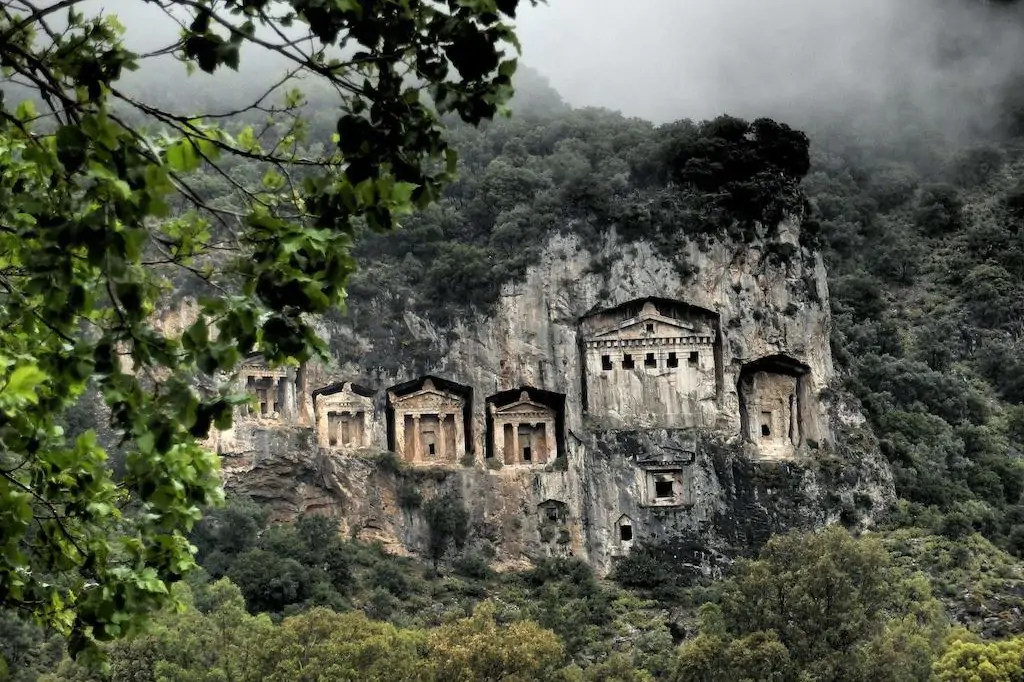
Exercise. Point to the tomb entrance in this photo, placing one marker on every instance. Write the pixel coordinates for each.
(652, 363)
(344, 416)
(775, 397)
(525, 426)
(428, 421)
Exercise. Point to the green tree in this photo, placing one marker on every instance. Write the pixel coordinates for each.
(221, 643)
(823, 605)
(478, 649)
(448, 523)
(324, 645)
(89, 177)
(969, 660)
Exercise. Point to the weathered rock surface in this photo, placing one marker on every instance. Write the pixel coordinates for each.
(706, 488)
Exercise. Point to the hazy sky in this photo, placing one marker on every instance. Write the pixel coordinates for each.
(666, 59)
(937, 60)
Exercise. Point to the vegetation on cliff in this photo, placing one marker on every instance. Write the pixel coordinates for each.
(822, 605)
(100, 215)
(923, 241)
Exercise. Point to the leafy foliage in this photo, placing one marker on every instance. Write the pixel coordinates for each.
(820, 605)
(221, 641)
(99, 218)
(967, 660)
(448, 521)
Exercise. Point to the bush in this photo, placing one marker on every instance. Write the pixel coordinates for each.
(956, 525)
(939, 210)
(448, 522)
(473, 565)
(268, 582)
(641, 569)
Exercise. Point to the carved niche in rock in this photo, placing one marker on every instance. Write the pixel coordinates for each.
(652, 363)
(668, 486)
(344, 416)
(525, 431)
(279, 392)
(775, 400)
(553, 526)
(428, 421)
(624, 533)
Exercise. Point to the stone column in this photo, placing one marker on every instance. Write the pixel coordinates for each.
(367, 429)
(460, 437)
(417, 445)
(516, 457)
(507, 456)
(440, 442)
(322, 427)
(794, 420)
(400, 433)
(288, 394)
(303, 404)
(549, 438)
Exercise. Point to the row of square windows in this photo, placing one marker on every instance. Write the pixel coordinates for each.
(650, 360)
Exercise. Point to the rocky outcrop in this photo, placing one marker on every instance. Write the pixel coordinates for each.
(729, 427)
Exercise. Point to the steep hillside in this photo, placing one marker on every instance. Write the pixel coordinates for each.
(607, 336)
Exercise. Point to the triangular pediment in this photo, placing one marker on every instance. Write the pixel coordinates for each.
(344, 396)
(637, 323)
(430, 394)
(523, 406)
(256, 360)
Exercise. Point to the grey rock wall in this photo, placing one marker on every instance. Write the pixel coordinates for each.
(771, 300)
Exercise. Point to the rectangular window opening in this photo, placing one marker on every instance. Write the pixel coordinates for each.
(431, 449)
(673, 360)
(650, 328)
(552, 514)
(606, 362)
(650, 360)
(766, 421)
(527, 454)
(694, 358)
(627, 362)
(626, 533)
(663, 490)
(263, 408)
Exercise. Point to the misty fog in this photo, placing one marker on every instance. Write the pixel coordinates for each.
(857, 64)
(666, 59)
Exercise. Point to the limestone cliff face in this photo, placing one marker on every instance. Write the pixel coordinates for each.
(616, 397)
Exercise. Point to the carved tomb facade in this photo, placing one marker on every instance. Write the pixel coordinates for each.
(644, 367)
(278, 391)
(429, 425)
(344, 416)
(523, 432)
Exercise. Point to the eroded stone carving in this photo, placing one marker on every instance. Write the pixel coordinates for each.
(775, 401)
(624, 533)
(523, 432)
(651, 363)
(279, 392)
(553, 525)
(344, 416)
(429, 423)
(667, 487)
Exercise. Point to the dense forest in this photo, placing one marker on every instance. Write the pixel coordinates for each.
(922, 232)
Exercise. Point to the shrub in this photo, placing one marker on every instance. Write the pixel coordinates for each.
(473, 565)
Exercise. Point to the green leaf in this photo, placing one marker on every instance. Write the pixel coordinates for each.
(21, 385)
(181, 157)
